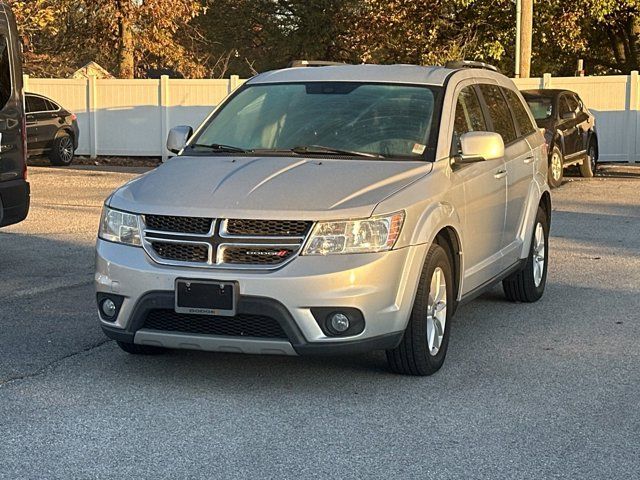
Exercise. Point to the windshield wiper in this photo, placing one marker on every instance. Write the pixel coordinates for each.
(219, 147)
(301, 149)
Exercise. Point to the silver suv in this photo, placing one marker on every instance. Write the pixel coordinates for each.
(331, 210)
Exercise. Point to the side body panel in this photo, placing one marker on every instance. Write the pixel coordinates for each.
(12, 113)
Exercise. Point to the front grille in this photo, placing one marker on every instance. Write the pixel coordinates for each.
(165, 223)
(232, 243)
(256, 255)
(242, 325)
(267, 228)
(183, 252)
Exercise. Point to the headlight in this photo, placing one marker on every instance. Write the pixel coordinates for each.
(367, 235)
(119, 227)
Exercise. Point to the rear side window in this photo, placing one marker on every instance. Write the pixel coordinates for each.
(499, 112)
(572, 103)
(563, 106)
(468, 116)
(36, 104)
(5, 72)
(522, 117)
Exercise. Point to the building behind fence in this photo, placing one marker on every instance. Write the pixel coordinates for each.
(133, 117)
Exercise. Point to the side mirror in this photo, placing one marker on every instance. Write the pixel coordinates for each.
(478, 147)
(178, 137)
(569, 116)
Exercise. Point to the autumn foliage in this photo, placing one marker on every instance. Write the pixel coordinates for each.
(214, 38)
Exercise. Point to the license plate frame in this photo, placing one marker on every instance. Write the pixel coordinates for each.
(206, 297)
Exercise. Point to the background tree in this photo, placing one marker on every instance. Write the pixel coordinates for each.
(127, 37)
(215, 38)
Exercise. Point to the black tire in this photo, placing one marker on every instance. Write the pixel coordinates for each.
(556, 175)
(136, 349)
(590, 163)
(62, 152)
(521, 286)
(413, 356)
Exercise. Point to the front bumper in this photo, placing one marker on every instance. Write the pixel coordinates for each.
(382, 286)
(14, 201)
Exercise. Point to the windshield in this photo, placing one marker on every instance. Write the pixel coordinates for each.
(541, 107)
(389, 120)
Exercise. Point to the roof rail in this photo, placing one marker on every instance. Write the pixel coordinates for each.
(471, 64)
(312, 63)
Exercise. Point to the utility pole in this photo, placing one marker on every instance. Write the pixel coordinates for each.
(518, 28)
(526, 35)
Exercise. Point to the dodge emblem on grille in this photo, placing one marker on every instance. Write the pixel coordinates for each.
(269, 253)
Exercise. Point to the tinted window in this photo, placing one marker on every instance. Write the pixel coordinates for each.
(37, 104)
(572, 103)
(28, 100)
(5, 72)
(522, 117)
(563, 106)
(499, 112)
(468, 116)
(51, 106)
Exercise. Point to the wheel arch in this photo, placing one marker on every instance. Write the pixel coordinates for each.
(539, 197)
(556, 141)
(545, 203)
(448, 238)
(593, 137)
(65, 129)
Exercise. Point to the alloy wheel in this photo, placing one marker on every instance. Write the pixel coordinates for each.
(539, 255)
(592, 158)
(436, 311)
(556, 166)
(65, 148)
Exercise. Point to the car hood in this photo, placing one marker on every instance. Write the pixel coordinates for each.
(267, 187)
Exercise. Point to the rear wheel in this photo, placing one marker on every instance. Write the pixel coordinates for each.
(556, 168)
(424, 345)
(589, 164)
(136, 349)
(527, 285)
(62, 152)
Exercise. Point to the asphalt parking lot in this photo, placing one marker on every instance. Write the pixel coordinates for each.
(549, 390)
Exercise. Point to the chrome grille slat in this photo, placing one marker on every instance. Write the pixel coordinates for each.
(220, 248)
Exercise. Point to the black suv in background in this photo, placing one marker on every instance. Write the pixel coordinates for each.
(14, 189)
(570, 131)
(51, 129)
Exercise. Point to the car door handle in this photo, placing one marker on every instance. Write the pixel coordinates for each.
(500, 174)
(529, 159)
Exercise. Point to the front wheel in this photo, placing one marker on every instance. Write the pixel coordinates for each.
(556, 168)
(426, 338)
(527, 284)
(62, 152)
(589, 164)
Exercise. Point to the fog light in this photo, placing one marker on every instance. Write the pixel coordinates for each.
(339, 322)
(108, 308)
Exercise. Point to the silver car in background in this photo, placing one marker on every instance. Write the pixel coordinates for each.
(331, 210)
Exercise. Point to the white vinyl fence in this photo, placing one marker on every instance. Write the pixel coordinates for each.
(133, 117)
